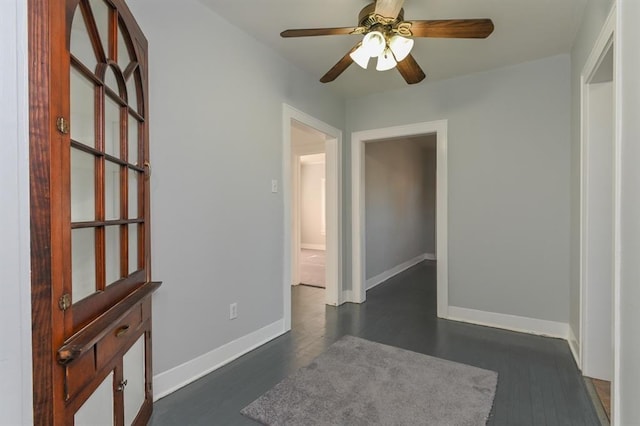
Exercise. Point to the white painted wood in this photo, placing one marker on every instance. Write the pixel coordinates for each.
(510, 322)
(333, 217)
(389, 273)
(574, 346)
(98, 409)
(333, 143)
(358, 255)
(308, 149)
(133, 371)
(15, 350)
(296, 239)
(313, 246)
(599, 227)
(597, 359)
(177, 377)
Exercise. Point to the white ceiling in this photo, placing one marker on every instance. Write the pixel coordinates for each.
(524, 30)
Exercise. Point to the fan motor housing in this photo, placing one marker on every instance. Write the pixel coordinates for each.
(366, 16)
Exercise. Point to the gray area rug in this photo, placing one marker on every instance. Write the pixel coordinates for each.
(359, 382)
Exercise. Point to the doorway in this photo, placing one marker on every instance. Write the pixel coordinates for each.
(598, 219)
(311, 208)
(304, 135)
(358, 141)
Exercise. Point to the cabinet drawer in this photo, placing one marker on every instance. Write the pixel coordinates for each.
(118, 337)
(79, 373)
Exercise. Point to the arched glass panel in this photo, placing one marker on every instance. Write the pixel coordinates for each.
(132, 92)
(102, 13)
(81, 46)
(111, 81)
(124, 57)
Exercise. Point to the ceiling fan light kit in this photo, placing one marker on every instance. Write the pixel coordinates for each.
(386, 37)
(388, 50)
(400, 46)
(360, 56)
(386, 61)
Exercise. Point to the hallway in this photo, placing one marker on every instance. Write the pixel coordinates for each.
(538, 381)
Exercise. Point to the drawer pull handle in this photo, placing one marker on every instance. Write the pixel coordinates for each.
(123, 384)
(122, 331)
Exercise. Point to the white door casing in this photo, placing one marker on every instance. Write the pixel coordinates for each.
(333, 148)
(358, 141)
(600, 328)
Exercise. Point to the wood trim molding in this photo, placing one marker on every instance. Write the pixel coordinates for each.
(510, 322)
(44, 19)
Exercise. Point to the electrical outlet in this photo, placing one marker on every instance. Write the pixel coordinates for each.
(233, 311)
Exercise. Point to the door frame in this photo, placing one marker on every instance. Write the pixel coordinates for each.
(606, 39)
(333, 148)
(358, 246)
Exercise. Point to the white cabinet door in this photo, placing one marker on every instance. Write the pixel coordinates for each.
(98, 409)
(134, 373)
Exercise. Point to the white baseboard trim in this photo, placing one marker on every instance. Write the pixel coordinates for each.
(575, 347)
(173, 379)
(380, 278)
(430, 256)
(510, 322)
(313, 246)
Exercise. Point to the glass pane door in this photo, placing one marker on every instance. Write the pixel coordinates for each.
(107, 173)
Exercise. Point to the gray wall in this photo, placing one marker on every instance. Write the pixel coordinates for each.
(311, 176)
(15, 312)
(217, 143)
(629, 354)
(508, 181)
(400, 202)
(593, 19)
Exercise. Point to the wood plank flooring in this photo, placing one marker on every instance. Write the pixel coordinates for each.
(603, 390)
(538, 382)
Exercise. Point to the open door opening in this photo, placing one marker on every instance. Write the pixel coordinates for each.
(598, 226)
(435, 133)
(312, 198)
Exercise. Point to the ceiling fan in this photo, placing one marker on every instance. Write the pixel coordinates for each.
(386, 36)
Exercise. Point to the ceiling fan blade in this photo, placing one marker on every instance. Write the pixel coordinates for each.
(388, 8)
(339, 67)
(410, 70)
(308, 32)
(452, 28)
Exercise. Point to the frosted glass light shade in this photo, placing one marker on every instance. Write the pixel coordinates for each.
(400, 46)
(360, 57)
(386, 61)
(374, 43)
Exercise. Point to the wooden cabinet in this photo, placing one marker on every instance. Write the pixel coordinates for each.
(90, 233)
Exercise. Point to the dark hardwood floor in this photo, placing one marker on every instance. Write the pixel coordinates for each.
(538, 382)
